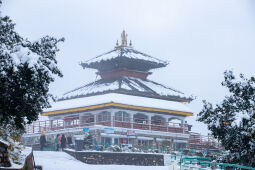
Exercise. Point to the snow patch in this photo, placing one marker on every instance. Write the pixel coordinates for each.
(23, 55)
(62, 161)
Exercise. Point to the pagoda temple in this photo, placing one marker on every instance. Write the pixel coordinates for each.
(123, 106)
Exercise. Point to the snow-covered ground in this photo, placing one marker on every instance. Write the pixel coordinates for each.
(62, 161)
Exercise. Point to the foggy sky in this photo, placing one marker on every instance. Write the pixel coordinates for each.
(200, 38)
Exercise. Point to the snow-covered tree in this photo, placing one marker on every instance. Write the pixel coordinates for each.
(233, 120)
(26, 70)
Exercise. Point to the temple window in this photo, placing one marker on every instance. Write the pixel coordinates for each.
(104, 116)
(140, 118)
(71, 120)
(157, 120)
(175, 122)
(122, 116)
(87, 118)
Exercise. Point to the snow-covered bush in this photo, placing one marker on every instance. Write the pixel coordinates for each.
(12, 138)
(186, 151)
(218, 156)
(151, 151)
(136, 149)
(100, 147)
(126, 148)
(167, 146)
(114, 148)
(233, 120)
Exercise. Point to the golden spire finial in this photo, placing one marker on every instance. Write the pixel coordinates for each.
(123, 39)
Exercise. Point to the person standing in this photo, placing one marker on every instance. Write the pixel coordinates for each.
(42, 141)
(63, 142)
(58, 141)
(69, 141)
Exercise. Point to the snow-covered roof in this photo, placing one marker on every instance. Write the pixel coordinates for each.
(128, 85)
(128, 52)
(120, 99)
(124, 57)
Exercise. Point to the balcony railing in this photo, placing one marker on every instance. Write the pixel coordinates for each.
(88, 121)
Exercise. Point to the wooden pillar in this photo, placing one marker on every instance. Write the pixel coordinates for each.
(51, 124)
(149, 121)
(112, 118)
(132, 120)
(80, 120)
(183, 126)
(95, 119)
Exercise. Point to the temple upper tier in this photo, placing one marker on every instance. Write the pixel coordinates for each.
(124, 70)
(124, 60)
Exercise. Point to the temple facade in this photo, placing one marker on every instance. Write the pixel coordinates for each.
(123, 107)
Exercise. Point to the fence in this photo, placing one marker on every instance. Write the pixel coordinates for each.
(203, 163)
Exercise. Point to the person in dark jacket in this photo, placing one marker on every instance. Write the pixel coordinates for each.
(42, 140)
(69, 141)
(63, 142)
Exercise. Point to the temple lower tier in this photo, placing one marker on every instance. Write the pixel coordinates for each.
(120, 127)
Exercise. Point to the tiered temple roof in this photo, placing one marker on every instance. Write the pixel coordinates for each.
(128, 85)
(124, 70)
(124, 57)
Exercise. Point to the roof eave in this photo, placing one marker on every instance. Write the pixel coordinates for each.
(117, 105)
(98, 65)
(123, 91)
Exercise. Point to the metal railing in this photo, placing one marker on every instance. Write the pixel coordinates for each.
(205, 162)
(48, 125)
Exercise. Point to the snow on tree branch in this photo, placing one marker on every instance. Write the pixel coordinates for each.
(26, 70)
(233, 120)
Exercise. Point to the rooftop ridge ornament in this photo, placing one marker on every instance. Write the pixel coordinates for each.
(123, 41)
(130, 43)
